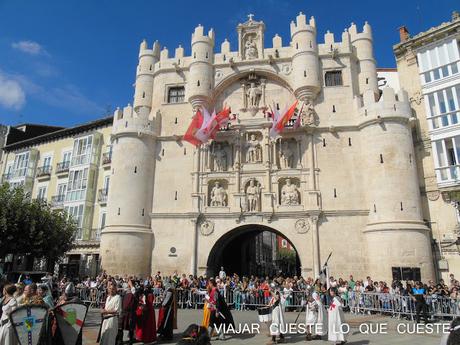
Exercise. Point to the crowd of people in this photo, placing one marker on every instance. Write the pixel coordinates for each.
(129, 303)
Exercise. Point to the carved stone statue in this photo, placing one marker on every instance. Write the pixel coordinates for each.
(308, 115)
(254, 150)
(250, 49)
(253, 196)
(286, 156)
(289, 194)
(254, 93)
(220, 158)
(218, 195)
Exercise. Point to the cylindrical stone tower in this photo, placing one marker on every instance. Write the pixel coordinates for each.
(363, 44)
(200, 82)
(305, 63)
(396, 235)
(126, 241)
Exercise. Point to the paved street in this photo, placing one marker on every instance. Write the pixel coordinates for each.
(392, 337)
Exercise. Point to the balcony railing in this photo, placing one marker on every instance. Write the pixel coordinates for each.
(107, 157)
(102, 195)
(62, 167)
(44, 170)
(57, 200)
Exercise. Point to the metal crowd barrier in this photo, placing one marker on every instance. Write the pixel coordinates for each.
(400, 306)
(394, 305)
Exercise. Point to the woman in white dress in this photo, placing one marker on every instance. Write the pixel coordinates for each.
(110, 314)
(7, 335)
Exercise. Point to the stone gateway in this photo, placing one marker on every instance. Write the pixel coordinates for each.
(340, 181)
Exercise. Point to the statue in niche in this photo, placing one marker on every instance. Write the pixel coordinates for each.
(286, 156)
(289, 194)
(218, 195)
(254, 150)
(220, 158)
(308, 115)
(253, 196)
(253, 94)
(250, 49)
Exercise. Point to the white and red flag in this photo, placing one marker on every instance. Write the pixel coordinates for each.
(280, 120)
(205, 126)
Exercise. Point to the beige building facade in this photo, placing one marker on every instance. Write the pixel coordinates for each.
(345, 181)
(428, 67)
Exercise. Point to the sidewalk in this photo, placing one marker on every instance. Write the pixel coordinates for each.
(358, 324)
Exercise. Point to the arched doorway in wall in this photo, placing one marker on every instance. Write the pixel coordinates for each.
(254, 250)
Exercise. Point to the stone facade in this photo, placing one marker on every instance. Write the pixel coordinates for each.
(344, 181)
(433, 86)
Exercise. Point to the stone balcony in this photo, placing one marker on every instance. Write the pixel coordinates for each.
(106, 159)
(102, 196)
(44, 172)
(57, 201)
(62, 168)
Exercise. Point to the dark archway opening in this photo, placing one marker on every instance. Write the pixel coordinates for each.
(254, 250)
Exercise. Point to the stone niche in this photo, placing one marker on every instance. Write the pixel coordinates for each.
(289, 194)
(220, 156)
(252, 201)
(253, 147)
(217, 193)
(288, 153)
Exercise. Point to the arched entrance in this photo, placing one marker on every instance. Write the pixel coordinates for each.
(254, 250)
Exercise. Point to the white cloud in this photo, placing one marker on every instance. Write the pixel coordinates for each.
(67, 96)
(12, 95)
(29, 47)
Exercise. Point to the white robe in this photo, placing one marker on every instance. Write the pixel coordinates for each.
(335, 321)
(109, 329)
(278, 325)
(7, 336)
(316, 317)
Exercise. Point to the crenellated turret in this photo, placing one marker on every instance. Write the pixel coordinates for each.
(363, 44)
(144, 78)
(395, 233)
(200, 82)
(305, 62)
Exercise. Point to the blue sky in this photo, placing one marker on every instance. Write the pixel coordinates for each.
(68, 62)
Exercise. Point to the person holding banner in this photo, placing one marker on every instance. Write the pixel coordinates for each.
(7, 336)
(113, 306)
(316, 317)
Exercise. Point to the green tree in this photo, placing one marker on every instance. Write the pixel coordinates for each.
(30, 227)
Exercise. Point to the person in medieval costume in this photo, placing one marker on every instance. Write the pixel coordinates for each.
(69, 296)
(146, 330)
(278, 326)
(128, 315)
(9, 303)
(110, 314)
(206, 311)
(316, 317)
(167, 316)
(336, 319)
(220, 317)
